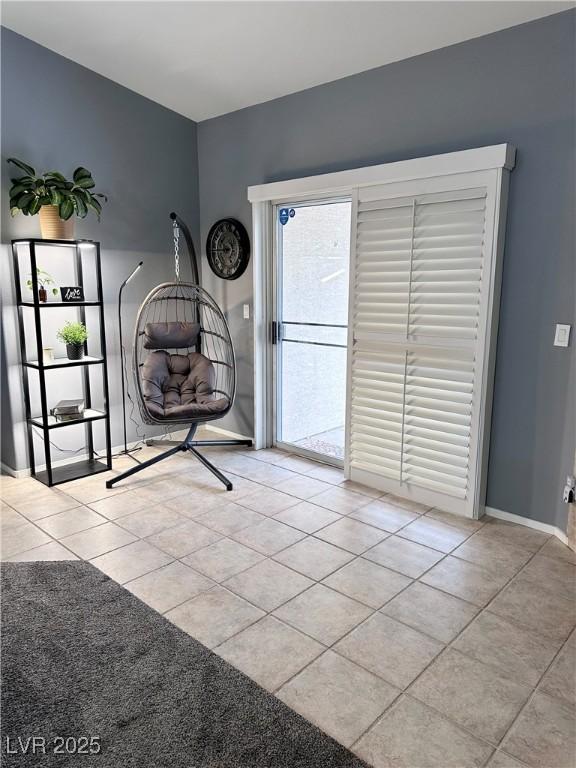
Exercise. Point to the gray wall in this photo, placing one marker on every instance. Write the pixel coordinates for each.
(514, 86)
(57, 114)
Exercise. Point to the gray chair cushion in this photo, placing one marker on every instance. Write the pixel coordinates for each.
(180, 386)
(170, 335)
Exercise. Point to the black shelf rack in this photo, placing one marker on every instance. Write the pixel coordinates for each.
(92, 464)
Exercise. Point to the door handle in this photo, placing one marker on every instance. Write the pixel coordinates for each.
(276, 331)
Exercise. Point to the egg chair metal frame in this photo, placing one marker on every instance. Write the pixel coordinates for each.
(183, 362)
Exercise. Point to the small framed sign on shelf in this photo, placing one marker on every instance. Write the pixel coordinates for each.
(72, 293)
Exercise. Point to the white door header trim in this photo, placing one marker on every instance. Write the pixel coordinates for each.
(465, 161)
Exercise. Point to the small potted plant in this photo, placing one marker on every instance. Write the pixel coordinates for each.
(44, 279)
(54, 197)
(74, 335)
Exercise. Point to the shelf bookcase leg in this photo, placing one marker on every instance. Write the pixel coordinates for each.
(104, 358)
(88, 427)
(23, 357)
(41, 371)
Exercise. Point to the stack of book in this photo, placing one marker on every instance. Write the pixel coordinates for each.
(68, 410)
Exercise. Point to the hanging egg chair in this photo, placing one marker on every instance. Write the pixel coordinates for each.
(183, 361)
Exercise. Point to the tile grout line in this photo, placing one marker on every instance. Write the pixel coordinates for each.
(325, 648)
(364, 621)
(84, 530)
(447, 646)
(184, 519)
(374, 611)
(52, 539)
(271, 557)
(407, 690)
(315, 582)
(160, 479)
(354, 557)
(536, 688)
(331, 647)
(306, 535)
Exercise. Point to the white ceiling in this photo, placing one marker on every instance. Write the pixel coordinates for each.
(204, 59)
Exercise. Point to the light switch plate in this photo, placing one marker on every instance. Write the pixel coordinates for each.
(562, 335)
(246, 310)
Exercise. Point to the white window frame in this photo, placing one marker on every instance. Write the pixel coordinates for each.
(493, 163)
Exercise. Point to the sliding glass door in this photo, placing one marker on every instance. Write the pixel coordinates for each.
(403, 400)
(310, 326)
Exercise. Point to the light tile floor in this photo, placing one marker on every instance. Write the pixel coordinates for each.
(415, 638)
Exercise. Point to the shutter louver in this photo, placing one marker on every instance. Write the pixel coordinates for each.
(417, 299)
(384, 246)
(437, 420)
(377, 405)
(447, 268)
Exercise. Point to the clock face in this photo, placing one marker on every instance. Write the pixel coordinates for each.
(228, 249)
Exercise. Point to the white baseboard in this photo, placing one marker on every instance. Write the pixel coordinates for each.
(536, 524)
(6, 470)
(227, 433)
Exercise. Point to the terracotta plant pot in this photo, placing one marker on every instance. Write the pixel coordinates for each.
(75, 351)
(52, 227)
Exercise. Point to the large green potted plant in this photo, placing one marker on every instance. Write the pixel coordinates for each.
(55, 198)
(74, 335)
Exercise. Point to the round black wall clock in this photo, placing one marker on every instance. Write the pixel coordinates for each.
(228, 249)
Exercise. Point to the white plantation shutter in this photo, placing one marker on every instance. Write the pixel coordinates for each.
(377, 410)
(417, 309)
(383, 254)
(438, 420)
(447, 266)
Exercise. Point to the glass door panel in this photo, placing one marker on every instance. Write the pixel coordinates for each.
(313, 250)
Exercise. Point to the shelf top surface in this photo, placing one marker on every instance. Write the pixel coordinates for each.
(61, 362)
(59, 303)
(42, 241)
(89, 414)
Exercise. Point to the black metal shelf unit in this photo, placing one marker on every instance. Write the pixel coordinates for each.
(93, 464)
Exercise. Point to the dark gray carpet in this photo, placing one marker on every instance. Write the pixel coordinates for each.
(83, 657)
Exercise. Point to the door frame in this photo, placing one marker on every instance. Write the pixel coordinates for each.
(263, 197)
(275, 310)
